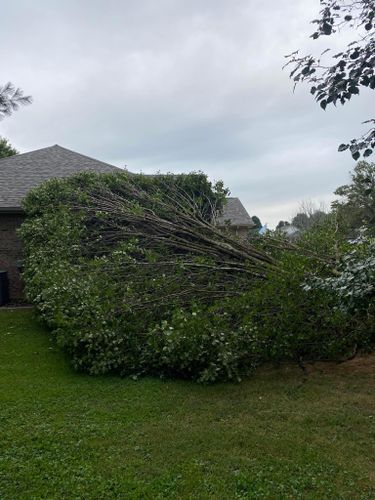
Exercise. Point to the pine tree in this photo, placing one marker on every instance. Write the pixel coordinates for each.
(11, 98)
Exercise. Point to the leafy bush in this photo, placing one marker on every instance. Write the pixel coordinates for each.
(299, 324)
(206, 343)
(354, 284)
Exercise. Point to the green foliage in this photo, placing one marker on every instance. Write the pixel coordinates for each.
(297, 324)
(104, 311)
(295, 321)
(354, 286)
(305, 221)
(257, 222)
(84, 295)
(356, 207)
(6, 149)
(206, 343)
(325, 239)
(347, 72)
(254, 231)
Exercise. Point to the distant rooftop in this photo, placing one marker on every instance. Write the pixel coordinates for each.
(235, 214)
(20, 173)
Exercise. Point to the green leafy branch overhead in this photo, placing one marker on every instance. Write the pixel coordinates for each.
(336, 81)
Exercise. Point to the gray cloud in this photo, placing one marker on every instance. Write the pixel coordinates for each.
(179, 85)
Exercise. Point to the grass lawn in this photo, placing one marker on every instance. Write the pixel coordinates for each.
(66, 435)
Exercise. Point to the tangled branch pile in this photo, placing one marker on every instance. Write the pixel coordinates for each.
(174, 239)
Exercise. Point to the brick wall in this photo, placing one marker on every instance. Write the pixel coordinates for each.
(11, 252)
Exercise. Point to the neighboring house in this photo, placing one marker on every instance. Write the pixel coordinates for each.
(289, 230)
(236, 218)
(20, 173)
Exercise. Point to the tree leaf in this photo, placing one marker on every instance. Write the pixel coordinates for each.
(355, 155)
(327, 28)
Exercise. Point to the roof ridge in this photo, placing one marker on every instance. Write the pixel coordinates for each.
(27, 152)
(85, 156)
(64, 149)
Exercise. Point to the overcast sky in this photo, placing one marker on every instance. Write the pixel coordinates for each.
(179, 85)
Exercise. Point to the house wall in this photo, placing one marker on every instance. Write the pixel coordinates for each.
(241, 232)
(11, 252)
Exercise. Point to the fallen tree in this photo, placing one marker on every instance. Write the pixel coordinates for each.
(172, 237)
(110, 257)
(133, 276)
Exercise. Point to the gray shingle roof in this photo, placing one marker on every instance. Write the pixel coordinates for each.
(235, 213)
(20, 173)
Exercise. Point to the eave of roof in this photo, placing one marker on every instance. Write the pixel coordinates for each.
(11, 210)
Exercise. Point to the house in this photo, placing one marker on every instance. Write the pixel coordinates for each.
(235, 218)
(20, 173)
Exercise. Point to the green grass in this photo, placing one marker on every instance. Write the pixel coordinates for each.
(68, 435)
